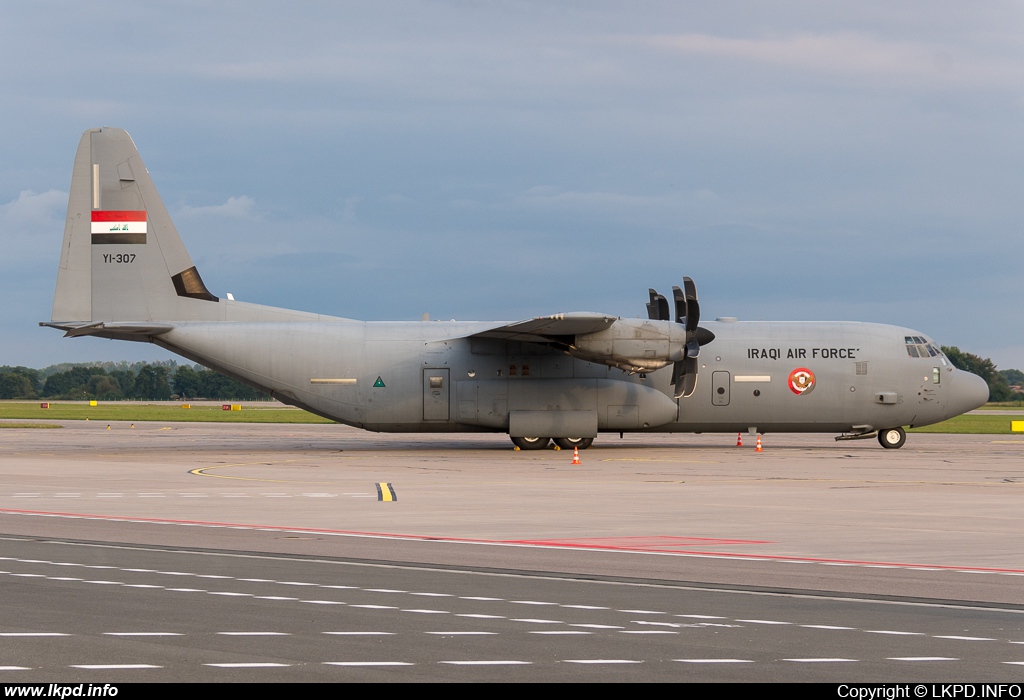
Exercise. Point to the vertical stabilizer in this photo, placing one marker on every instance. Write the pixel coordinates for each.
(122, 258)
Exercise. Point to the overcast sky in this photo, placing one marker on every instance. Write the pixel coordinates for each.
(500, 160)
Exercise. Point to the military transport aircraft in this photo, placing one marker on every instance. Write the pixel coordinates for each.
(125, 274)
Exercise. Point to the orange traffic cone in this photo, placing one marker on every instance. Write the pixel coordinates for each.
(758, 448)
(739, 439)
(576, 455)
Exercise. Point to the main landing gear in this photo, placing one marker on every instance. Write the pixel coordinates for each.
(892, 438)
(533, 443)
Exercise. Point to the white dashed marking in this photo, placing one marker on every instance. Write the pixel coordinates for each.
(112, 667)
(368, 663)
(487, 663)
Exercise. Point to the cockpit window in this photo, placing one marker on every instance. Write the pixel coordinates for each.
(921, 347)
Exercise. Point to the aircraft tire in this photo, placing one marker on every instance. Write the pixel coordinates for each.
(569, 443)
(892, 438)
(530, 443)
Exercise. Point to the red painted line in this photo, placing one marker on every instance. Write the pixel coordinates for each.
(540, 544)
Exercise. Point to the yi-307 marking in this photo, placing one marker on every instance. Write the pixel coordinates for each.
(125, 258)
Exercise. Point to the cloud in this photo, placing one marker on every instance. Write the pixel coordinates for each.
(32, 224)
(848, 54)
(234, 207)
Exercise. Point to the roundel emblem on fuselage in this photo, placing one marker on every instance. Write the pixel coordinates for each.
(801, 381)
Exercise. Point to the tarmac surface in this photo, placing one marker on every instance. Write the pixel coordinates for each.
(658, 558)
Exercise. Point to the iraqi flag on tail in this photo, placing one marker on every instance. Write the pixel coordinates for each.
(118, 227)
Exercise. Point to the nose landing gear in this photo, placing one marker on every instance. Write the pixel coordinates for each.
(892, 438)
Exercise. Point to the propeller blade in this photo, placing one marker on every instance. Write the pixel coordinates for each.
(689, 384)
(677, 379)
(692, 315)
(691, 288)
(677, 295)
(657, 309)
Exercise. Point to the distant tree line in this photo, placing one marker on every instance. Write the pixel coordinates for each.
(998, 381)
(109, 381)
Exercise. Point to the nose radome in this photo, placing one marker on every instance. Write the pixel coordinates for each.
(969, 392)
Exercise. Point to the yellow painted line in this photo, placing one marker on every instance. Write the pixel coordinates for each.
(203, 471)
(1017, 426)
(1008, 442)
(385, 492)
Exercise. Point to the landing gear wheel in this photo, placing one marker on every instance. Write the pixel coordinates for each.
(569, 443)
(530, 443)
(892, 438)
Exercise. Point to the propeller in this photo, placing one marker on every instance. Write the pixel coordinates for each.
(687, 313)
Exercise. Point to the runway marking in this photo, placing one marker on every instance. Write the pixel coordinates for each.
(658, 624)
(536, 621)
(766, 622)
(255, 634)
(921, 658)
(596, 627)
(273, 597)
(202, 471)
(481, 616)
(34, 634)
(249, 665)
(486, 663)
(601, 661)
(643, 612)
(112, 667)
(819, 661)
(715, 661)
(587, 607)
(432, 595)
(648, 632)
(360, 634)
(531, 602)
(556, 632)
(513, 543)
(375, 607)
(905, 634)
(429, 612)
(368, 663)
(230, 593)
(704, 617)
(143, 634)
(323, 602)
(964, 639)
(477, 597)
(15, 668)
(460, 634)
(828, 627)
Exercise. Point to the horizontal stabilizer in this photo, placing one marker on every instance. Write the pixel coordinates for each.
(109, 329)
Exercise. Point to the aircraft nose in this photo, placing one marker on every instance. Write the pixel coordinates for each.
(969, 392)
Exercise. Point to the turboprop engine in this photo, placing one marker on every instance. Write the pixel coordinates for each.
(637, 345)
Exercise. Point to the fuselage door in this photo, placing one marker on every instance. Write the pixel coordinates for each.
(435, 394)
(719, 388)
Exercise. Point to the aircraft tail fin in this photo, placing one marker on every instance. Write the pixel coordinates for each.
(122, 258)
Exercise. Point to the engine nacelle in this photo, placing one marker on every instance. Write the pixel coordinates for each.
(633, 345)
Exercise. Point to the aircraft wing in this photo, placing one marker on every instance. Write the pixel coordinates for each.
(547, 329)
